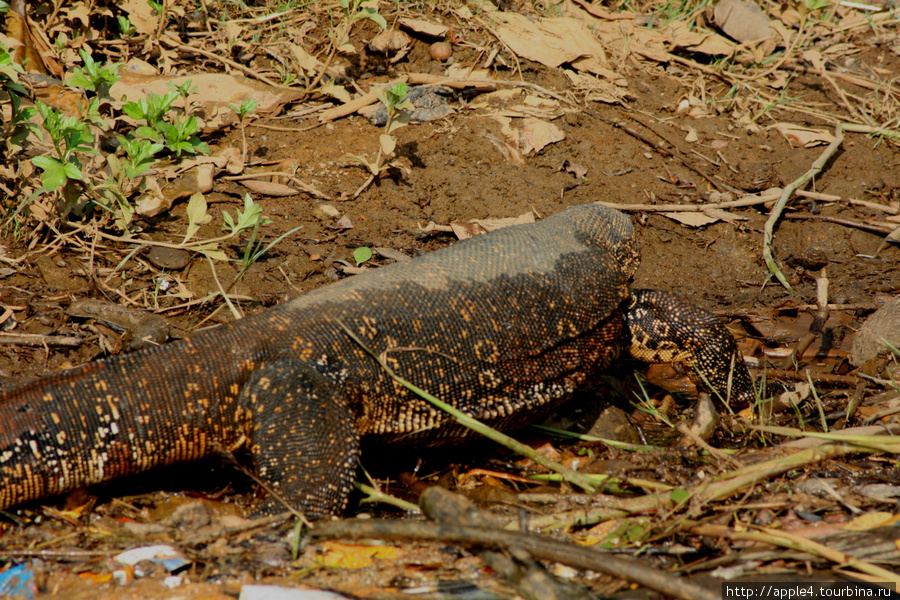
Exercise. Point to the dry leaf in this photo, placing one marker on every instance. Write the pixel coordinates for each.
(152, 202)
(305, 61)
(457, 71)
(495, 224)
(338, 92)
(807, 137)
(536, 134)
(509, 152)
(882, 326)
(723, 215)
(141, 15)
(342, 223)
(691, 219)
(712, 44)
(693, 107)
(871, 520)
(741, 20)
(467, 229)
(602, 13)
(29, 46)
(508, 130)
(354, 556)
(425, 27)
(574, 168)
(269, 188)
(599, 90)
(551, 42)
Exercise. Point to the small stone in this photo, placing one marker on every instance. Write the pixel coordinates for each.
(168, 258)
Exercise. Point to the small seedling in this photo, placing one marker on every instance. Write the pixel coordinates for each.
(251, 219)
(393, 99)
(125, 26)
(93, 77)
(16, 129)
(139, 154)
(242, 112)
(179, 135)
(150, 109)
(69, 137)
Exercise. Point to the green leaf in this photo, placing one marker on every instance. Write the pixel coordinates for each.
(250, 218)
(56, 172)
(401, 119)
(79, 79)
(370, 14)
(362, 254)
(678, 496)
(212, 251)
(196, 214)
(72, 171)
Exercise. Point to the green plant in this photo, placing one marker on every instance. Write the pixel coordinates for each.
(139, 154)
(242, 112)
(93, 77)
(150, 109)
(393, 98)
(17, 128)
(644, 404)
(69, 136)
(251, 220)
(179, 135)
(126, 28)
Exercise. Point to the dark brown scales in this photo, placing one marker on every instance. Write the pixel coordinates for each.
(505, 326)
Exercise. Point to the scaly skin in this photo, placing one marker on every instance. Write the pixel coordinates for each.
(504, 326)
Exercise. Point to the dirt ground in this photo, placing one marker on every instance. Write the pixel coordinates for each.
(634, 152)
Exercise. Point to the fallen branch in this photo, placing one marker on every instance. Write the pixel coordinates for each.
(785, 539)
(539, 547)
(34, 339)
(518, 567)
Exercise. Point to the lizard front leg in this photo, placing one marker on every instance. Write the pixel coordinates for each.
(303, 438)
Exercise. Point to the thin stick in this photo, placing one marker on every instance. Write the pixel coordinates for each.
(816, 168)
(225, 61)
(34, 339)
(770, 196)
(815, 328)
(234, 311)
